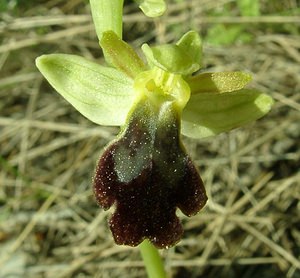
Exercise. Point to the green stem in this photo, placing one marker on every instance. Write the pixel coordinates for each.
(107, 16)
(153, 262)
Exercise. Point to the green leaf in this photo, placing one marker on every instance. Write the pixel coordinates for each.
(153, 8)
(218, 82)
(103, 95)
(210, 114)
(121, 55)
(191, 44)
(107, 15)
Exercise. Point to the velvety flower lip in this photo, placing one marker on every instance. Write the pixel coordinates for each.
(146, 173)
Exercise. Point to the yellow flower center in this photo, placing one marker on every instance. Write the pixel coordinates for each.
(161, 86)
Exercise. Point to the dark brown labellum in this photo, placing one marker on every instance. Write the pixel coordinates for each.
(147, 174)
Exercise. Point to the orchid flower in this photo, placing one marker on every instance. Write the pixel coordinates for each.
(146, 172)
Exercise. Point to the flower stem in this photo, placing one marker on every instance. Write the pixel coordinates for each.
(152, 260)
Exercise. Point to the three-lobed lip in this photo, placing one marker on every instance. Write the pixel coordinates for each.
(147, 174)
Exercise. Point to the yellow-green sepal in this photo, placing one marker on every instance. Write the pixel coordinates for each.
(209, 114)
(182, 58)
(218, 82)
(103, 95)
(191, 44)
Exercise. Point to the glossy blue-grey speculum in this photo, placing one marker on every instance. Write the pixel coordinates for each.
(147, 174)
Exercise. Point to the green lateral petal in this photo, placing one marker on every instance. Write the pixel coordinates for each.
(209, 114)
(170, 58)
(107, 15)
(153, 8)
(103, 95)
(191, 44)
(218, 82)
(121, 55)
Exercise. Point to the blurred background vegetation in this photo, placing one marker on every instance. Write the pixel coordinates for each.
(50, 225)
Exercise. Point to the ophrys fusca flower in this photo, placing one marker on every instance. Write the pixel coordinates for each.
(145, 173)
